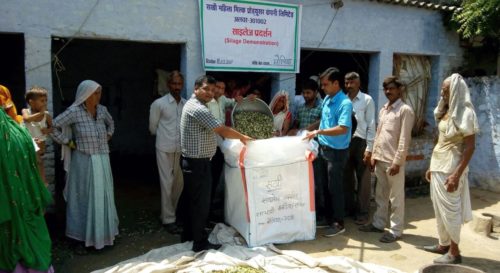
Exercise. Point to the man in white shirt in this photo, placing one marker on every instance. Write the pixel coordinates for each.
(164, 122)
(357, 176)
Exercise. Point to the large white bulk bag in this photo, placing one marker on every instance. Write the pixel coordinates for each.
(270, 190)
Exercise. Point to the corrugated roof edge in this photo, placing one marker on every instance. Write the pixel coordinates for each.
(420, 4)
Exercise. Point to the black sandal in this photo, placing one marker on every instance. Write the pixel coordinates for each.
(370, 228)
(389, 238)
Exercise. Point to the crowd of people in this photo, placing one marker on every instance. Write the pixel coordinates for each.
(351, 146)
(189, 133)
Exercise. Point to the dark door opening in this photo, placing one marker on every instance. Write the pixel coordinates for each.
(126, 72)
(315, 62)
(249, 82)
(12, 74)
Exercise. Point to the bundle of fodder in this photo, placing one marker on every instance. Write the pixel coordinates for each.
(256, 125)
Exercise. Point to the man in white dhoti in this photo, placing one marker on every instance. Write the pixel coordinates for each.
(457, 124)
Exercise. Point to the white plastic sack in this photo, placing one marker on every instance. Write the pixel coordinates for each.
(268, 152)
(270, 190)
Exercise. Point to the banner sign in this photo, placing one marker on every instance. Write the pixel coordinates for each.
(258, 36)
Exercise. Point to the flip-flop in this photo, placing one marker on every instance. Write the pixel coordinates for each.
(435, 249)
(448, 259)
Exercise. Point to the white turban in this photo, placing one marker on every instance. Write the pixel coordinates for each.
(460, 109)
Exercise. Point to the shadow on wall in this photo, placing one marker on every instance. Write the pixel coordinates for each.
(485, 164)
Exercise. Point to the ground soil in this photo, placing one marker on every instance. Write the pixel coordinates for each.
(140, 231)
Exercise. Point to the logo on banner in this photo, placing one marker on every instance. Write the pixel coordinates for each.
(281, 60)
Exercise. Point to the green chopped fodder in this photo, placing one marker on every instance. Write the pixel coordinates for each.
(254, 124)
(239, 269)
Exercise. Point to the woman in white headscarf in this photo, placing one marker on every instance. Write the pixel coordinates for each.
(84, 130)
(282, 117)
(448, 171)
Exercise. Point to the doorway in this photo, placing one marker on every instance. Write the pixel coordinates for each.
(126, 70)
(313, 63)
(12, 74)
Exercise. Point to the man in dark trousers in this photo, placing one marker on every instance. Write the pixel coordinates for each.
(334, 136)
(357, 186)
(198, 142)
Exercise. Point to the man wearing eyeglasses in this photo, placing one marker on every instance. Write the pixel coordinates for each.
(390, 148)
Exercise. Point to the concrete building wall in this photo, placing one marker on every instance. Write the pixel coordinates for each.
(364, 26)
(359, 26)
(153, 21)
(485, 163)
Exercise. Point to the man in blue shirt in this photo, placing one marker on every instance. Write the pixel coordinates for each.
(334, 136)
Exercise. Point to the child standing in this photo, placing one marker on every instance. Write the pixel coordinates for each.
(38, 121)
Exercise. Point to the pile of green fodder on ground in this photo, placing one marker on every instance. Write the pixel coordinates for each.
(239, 269)
(254, 124)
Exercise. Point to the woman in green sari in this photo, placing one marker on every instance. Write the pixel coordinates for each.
(24, 239)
